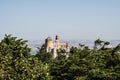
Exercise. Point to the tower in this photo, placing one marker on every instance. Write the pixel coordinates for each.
(56, 37)
(49, 44)
(56, 46)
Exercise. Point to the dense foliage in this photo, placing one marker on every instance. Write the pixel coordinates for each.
(17, 64)
(99, 63)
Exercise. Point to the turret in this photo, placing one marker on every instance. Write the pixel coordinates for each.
(57, 38)
(49, 44)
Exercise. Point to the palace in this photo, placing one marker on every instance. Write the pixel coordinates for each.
(54, 46)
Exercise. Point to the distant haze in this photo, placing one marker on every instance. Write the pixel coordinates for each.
(33, 44)
(71, 19)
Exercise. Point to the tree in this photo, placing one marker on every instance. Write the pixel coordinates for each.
(105, 43)
(12, 45)
(97, 43)
(81, 46)
(43, 55)
(116, 49)
(17, 64)
(84, 65)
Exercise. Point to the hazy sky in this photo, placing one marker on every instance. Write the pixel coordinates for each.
(70, 19)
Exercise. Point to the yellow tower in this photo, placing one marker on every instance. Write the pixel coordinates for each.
(49, 44)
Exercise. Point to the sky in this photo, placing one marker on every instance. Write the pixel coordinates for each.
(70, 19)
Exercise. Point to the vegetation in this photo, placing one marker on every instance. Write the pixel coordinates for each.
(17, 64)
(99, 63)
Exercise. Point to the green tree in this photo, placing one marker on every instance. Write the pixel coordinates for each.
(84, 65)
(116, 49)
(97, 43)
(105, 43)
(17, 64)
(43, 55)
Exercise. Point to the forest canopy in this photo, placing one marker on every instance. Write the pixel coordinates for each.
(83, 63)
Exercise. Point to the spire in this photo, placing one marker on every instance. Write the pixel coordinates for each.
(57, 37)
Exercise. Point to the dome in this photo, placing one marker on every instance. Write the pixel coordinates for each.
(49, 39)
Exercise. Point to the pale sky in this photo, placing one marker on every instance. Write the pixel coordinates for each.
(70, 19)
